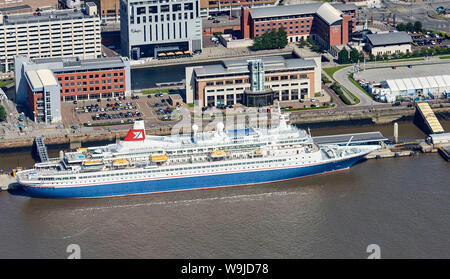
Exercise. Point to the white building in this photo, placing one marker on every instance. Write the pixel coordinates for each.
(388, 43)
(430, 86)
(50, 34)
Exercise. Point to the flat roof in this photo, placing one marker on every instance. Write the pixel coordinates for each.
(15, 8)
(389, 38)
(41, 78)
(45, 16)
(241, 65)
(73, 62)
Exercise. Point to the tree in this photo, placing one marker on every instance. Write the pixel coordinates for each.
(2, 113)
(271, 40)
(354, 55)
(401, 27)
(302, 41)
(282, 37)
(409, 27)
(418, 26)
(343, 56)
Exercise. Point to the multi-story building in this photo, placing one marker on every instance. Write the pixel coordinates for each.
(253, 82)
(25, 6)
(109, 10)
(44, 83)
(328, 24)
(151, 26)
(50, 34)
(233, 7)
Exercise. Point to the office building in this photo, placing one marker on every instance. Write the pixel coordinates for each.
(253, 82)
(328, 24)
(44, 83)
(50, 34)
(150, 27)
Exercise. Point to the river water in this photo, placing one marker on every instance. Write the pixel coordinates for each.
(401, 204)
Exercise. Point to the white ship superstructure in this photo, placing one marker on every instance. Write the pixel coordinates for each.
(145, 164)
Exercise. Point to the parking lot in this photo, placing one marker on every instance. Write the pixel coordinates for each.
(429, 40)
(120, 111)
(381, 74)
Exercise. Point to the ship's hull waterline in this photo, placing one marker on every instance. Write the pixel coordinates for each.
(189, 182)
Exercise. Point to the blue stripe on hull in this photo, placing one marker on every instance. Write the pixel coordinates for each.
(187, 183)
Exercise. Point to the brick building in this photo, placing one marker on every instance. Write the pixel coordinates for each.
(68, 79)
(108, 10)
(328, 24)
(253, 82)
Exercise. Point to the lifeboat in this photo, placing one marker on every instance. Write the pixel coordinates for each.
(159, 158)
(92, 163)
(82, 149)
(120, 162)
(218, 154)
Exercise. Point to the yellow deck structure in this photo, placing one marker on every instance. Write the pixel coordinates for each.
(430, 118)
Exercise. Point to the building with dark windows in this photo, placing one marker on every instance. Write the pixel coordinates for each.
(44, 83)
(50, 33)
(328, 24)
(148, 27)
(253, 82)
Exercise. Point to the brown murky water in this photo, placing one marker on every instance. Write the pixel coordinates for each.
(401, 204)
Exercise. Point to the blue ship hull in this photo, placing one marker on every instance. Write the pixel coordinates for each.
(188, 183)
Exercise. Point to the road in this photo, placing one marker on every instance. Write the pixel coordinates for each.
(408, 12)
(341, 76)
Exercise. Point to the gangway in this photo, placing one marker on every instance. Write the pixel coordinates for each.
(429, 117)
(41, 149)
(356, 138)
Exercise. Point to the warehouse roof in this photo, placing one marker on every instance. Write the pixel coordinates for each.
(389, 38)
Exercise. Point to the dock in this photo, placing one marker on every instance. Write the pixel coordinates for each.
(445, 152)
(430, 119)
(6, 182)
(41, 149)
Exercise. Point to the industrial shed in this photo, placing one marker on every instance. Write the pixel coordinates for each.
(431, 86)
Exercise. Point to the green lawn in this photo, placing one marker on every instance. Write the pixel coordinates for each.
(5, 82)
(320, 107)
(444, 57)
(350, 77)
(332, 70)
(156, 91)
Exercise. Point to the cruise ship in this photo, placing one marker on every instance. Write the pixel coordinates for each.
(143, 164)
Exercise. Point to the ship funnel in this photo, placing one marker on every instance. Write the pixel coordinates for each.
(137, 133)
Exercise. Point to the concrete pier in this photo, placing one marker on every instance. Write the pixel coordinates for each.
(6, 182)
